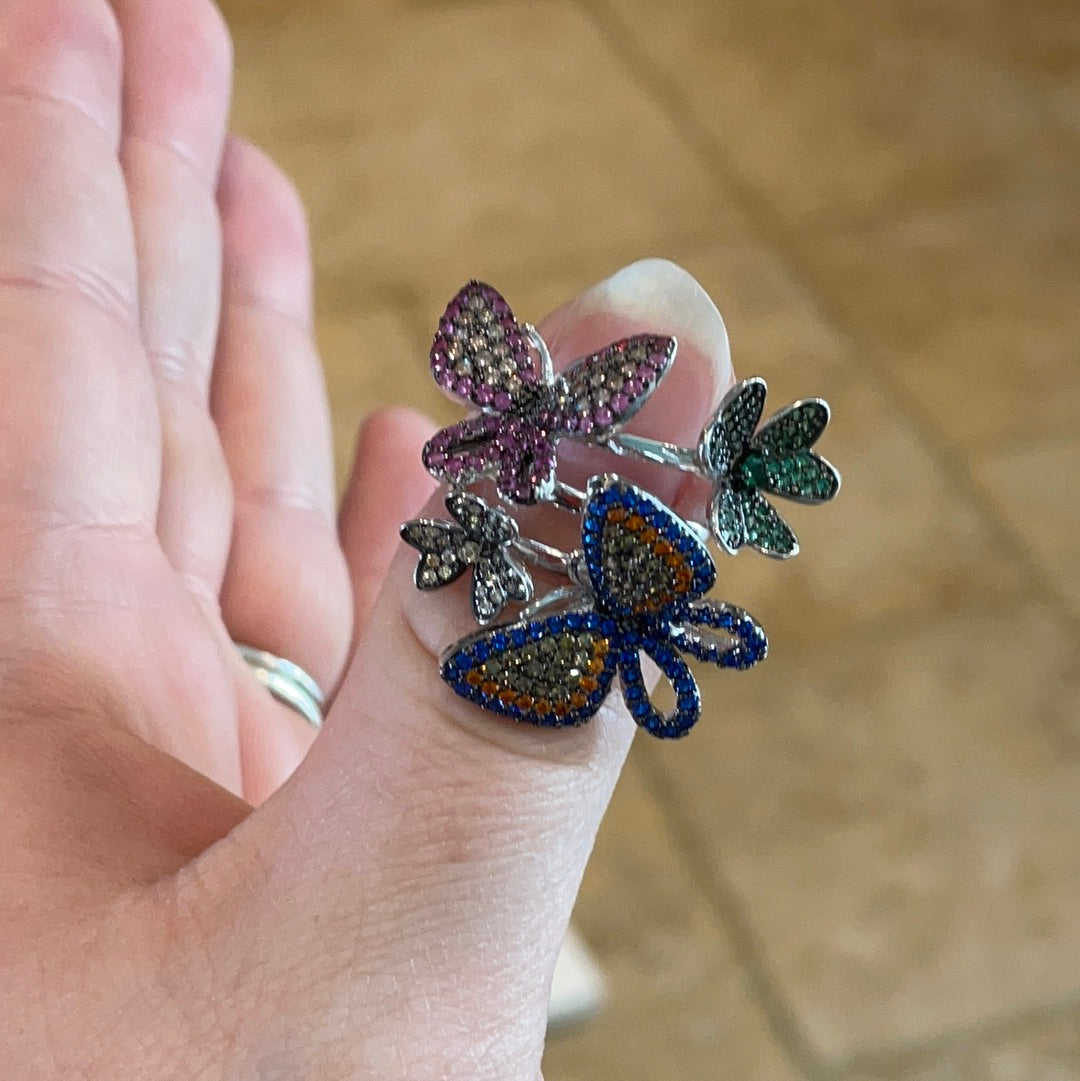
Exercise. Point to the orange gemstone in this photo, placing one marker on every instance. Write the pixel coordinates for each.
(561, 709)
(674, 560)
(525, 701)
(596, 665)
(648, 534)
(634, 522)
(542, 707)
(577, 699)
(663, 548)
(489, 686)
(474, 677)
(508, 696)
(588, 683)
(616, 514)
(601, 647)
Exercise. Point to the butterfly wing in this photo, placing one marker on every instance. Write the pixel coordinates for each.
(642, 559)
(721, 634)
(440, 547)
(780, 460)
(728, 434)
(763, 528)
(687, 696)
(486, 525)
(726, 519)
(479, 352)
(606, 389)
(550, 672)
(466, 451)
(495, 581)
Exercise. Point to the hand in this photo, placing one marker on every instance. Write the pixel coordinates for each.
(395, 909)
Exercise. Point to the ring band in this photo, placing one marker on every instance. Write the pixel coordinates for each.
(287, 682)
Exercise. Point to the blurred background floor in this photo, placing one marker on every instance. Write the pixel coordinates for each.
(865, 864)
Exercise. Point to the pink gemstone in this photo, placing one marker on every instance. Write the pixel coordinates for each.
(602, 416)
(620, 402)
(445, 379)
(464, 386)
(502, 400)
(452, 313)
(484, 394)
(585, 425)
(633, 387)
(435, 459)
(454, 467)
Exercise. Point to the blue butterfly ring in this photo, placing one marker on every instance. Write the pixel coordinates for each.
(638, 582)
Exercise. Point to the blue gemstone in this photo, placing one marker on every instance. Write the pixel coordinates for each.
(608, 627)
(481, 651)
(573, 620)
(726, 620)
(498, 642)
(641, 709)
(635, 692)
(558, 623)
(746, 628)
(536, 632)
(517, 636)
(684, 543)
(731, 659)
(684, 686)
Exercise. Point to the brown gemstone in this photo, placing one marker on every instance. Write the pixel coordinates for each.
(525, 701)
(542, 707)
(588, 683)
(601, 647)
(648, 535)
(561, 709)
(663, 548)
(577, 700)
(634, 522)
(508, 696)
(616, 514)
(473, 677)
(596, 666)
(489, 687)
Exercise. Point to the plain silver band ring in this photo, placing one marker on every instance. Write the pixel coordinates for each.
(287, 682)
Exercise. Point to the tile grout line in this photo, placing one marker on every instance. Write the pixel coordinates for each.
(779, 1015)
(623, 43)
(924, 1051)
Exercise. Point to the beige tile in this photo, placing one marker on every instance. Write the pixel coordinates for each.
(1047, 1049)
(976, 310)
(371, 360)
(678, 1004)
(899, 815)
(441, 143)
(1038, 491)
(847, 111)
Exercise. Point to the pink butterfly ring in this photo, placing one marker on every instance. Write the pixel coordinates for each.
(483, 356)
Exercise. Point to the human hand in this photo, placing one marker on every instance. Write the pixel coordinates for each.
(395, 909)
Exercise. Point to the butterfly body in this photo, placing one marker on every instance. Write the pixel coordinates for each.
(647, 571)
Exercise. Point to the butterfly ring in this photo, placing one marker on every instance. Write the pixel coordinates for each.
(636, 585)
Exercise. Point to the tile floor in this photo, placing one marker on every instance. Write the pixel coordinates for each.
(869, 870)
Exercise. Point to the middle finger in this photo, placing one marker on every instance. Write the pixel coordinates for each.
(177, 77)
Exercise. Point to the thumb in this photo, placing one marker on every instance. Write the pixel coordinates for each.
(433, 850)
